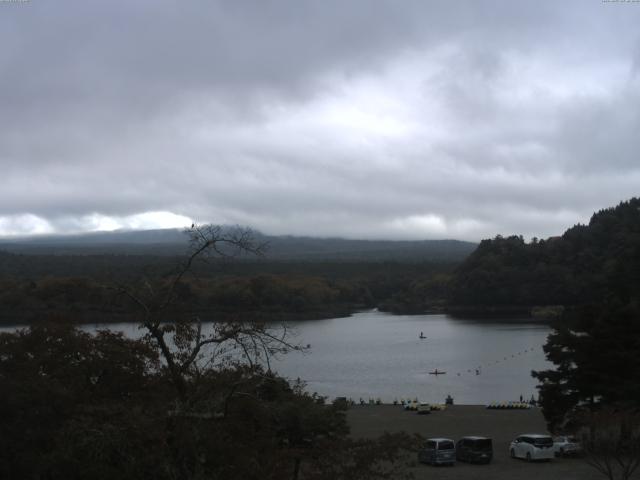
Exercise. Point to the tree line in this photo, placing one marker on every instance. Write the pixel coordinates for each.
(33, 287)
(586, 262)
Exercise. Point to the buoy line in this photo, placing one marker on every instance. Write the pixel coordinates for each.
(476, 371)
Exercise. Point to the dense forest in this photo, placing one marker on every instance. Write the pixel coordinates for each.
(294, 278)
(586, 262)
(81, 287)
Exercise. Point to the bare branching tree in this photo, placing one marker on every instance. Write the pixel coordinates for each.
(184, 344)
(611, 442)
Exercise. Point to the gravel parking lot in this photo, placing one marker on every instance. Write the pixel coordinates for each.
(461, 420)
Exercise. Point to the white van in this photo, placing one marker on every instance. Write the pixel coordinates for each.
(532, 446)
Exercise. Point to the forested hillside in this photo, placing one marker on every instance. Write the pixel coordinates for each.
(586, 262)
(33, 287)
(297, 277)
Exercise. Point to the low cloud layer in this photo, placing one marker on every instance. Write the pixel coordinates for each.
(372, 119)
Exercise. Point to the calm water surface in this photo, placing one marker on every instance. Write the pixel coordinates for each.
(374, 354)
(379, 355)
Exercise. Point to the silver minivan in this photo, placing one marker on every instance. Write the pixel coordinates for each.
(566, 445)
(438, 451)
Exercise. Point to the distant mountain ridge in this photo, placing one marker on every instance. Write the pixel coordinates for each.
(174, 242)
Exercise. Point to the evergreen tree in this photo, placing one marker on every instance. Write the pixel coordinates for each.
(596, 353)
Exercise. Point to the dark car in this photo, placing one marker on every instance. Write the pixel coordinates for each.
(474, 450)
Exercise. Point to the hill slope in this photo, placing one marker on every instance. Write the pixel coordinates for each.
(586, 262)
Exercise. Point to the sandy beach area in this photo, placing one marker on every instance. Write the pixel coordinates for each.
(460, 420)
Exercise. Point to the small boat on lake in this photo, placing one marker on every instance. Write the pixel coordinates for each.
(422, 336)
(437, 372)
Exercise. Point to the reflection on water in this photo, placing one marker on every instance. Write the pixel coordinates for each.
(374, 354)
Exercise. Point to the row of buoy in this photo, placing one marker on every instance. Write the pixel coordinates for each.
(509, 406)
(478, 370)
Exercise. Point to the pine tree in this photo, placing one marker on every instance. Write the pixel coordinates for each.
(596, 353)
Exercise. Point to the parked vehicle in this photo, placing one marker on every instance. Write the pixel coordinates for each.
(532, 446)
(509, 406)
(474, 450)
(438, 451)
(411, 405)
(424, 408)
(566, 445)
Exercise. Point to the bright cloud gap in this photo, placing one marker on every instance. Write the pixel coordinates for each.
(28, 224)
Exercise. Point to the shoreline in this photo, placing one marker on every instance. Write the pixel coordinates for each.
(88, 317)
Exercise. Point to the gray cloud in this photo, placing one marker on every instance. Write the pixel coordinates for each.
(361, 118)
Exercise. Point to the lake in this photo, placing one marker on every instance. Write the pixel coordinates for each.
(380, 355)
(375, 354)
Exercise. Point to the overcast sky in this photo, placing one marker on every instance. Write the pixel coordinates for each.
(363, 119)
